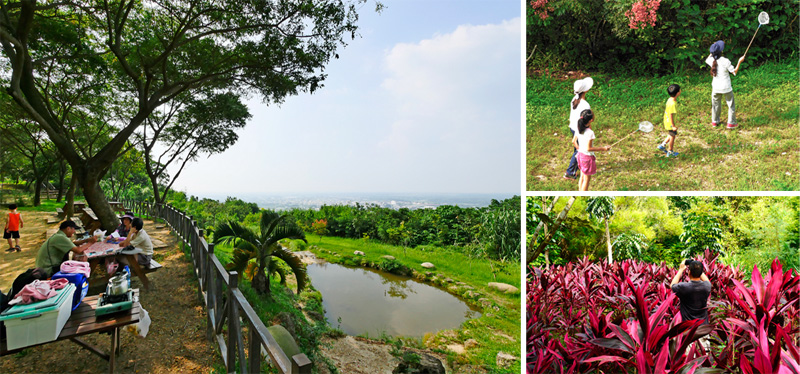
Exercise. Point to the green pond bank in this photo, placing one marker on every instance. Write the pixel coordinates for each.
(479, 345)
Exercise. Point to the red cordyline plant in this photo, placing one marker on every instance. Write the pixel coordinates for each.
(588, 317)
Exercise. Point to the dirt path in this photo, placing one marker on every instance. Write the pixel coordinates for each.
(176, 342)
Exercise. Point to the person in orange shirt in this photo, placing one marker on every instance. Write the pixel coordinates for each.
(13, 224)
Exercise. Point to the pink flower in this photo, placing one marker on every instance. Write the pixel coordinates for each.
(643, 13)
(540, 8)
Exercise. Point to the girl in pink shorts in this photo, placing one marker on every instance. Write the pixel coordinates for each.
(583, 140)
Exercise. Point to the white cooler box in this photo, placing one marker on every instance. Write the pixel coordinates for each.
(38, 322)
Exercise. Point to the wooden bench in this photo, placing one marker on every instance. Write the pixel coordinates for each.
(154, 266)
(83, 321)
(90, 221)
(60, 212)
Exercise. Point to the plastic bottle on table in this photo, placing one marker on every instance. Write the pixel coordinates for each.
(128, 275)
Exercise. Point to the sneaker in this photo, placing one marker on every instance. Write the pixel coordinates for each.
(672, 154)
(568, 176)
(661, 147)
(10, 249)
(733, 125)
(714, 124)
(18, 248)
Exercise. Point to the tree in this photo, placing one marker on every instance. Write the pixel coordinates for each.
(187, 128)
(630, 246)
(700, 232)
(30, 142)
(125, 174)
(109, 65)
(550, 229)
(602, 207)
(263, 247)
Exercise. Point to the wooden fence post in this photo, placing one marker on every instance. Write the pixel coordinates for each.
(234, 340)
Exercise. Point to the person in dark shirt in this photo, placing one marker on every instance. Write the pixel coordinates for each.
(693, 294)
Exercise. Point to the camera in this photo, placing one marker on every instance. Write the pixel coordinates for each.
(688, 262)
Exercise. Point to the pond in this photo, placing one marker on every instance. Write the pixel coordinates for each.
(367, 301)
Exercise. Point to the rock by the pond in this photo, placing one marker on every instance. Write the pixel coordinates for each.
(507, 288)
(428, 265)
(388, 257)
(358, 253)
(315, 315)
(505, 359)
(427, 365)
(470, 343)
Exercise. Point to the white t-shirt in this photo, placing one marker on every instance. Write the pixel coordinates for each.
(722, 82)
(142, 241)
(583, 141)
(575, 114)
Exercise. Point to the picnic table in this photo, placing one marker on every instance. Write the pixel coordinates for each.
(83, 321)
(89, 220)
(99, 251)
(117, 206)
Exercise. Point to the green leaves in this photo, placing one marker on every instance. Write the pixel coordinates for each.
(263, 247)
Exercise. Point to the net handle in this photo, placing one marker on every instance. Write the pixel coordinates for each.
(751, 41)
(626, 136)
(759, 26)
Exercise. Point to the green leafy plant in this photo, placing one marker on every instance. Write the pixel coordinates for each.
(262, 247)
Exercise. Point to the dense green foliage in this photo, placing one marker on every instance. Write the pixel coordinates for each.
(761, 155)
(747, 231)
(491, 231)
(613, 36)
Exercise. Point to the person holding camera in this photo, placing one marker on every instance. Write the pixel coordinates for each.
(693, 294)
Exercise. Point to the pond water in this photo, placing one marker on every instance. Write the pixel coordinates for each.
(374, 302)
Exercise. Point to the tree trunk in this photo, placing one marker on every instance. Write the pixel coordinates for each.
(37, 192)
(608, 242)
(95, 197)
(70, 198)
(551, 230)
(261, 281)
(541, 224)
(62, 175)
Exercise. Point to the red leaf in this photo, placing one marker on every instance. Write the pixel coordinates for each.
(758, 284)
(745, 293)
(605, 359)
(773, 289)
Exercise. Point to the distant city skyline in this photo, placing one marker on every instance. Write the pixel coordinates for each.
(427, 100)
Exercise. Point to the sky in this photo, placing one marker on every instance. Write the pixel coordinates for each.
(425, 100)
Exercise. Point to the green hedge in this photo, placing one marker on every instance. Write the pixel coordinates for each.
(595, 35)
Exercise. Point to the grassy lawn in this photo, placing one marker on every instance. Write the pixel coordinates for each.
(498, 327)
(762, 154)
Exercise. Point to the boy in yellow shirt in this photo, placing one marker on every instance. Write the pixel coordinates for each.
(669, 121)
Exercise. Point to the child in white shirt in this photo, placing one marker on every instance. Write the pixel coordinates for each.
(583, 140)
(721, 68)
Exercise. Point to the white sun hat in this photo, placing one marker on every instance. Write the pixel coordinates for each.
(583, 85)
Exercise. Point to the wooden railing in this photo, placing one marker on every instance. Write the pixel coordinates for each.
(225, 303)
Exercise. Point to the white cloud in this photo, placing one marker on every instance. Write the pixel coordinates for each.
(456, 99)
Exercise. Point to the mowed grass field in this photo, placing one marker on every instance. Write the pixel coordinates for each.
(762, 154)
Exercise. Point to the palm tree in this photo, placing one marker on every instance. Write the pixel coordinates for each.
(602, 207)
(263, 247)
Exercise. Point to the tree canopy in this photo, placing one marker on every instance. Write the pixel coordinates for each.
(80, 69)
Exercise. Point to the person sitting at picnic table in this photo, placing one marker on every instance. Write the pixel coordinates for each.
(138, 242)
(56, 248)
(124, 228)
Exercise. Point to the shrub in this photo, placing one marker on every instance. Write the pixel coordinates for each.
(591, 317)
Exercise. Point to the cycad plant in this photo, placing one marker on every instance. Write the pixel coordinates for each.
(256, 250)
